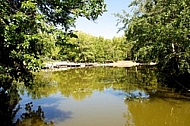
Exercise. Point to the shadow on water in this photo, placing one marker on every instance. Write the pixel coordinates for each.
(9, 99)
(161, 85)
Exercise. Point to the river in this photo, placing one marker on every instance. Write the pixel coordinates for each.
(101, 97)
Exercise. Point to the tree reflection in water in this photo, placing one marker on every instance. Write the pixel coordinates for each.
(32, 117)
(79, 84)
(9, 99)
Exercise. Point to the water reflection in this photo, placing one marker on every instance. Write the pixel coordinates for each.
(95, 96)
(9, 107)
(32, 117)
(101, 109)
(158, 112)
(80, 83)
(50, 106)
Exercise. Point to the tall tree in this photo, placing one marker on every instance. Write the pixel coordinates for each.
(29, 30)
(23, 24)
(160, 30)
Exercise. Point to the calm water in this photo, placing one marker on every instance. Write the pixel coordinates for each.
(101, 97)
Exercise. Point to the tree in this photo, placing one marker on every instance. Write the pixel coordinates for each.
(160, 30)
(29, 31)
(24, 24)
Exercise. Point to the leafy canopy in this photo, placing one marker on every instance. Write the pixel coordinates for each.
(160, 30)
(26, 24)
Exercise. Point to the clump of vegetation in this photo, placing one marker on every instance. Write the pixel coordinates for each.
(160, 32)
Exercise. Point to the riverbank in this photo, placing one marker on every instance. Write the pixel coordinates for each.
(69, 65)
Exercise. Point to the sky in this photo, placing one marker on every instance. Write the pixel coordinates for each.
(105, 25)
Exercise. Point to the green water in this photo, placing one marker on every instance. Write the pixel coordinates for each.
(98, 97)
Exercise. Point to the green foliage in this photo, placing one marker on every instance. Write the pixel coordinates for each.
(29, 30)
(160, 30)
(88, 48)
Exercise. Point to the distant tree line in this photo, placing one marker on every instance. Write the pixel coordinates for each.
(88, 48)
